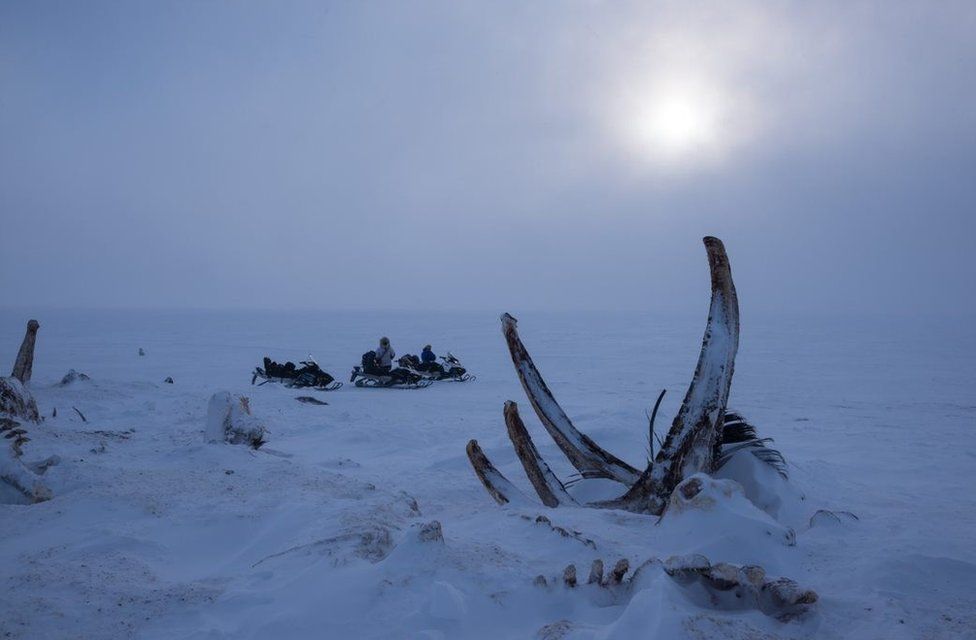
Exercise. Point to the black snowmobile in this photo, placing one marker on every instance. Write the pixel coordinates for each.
(307, 375)
(370, 375)
(451, 370)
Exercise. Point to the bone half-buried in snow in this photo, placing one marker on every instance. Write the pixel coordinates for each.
(728, 586)
(18, 406)
(24, 365)
(690, 445)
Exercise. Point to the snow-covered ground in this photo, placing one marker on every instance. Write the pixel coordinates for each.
(326, 531)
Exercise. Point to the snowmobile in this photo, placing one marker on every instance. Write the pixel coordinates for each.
(369, 375)
(451, 370)
(308, 375)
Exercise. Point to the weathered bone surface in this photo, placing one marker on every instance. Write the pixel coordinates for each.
(729, 586)
(16, 401)
(17, 405)
(619, 571)
(596, 572)
(229, 420)
(591, 460)
(16, 435)
(73, 376)
(569, 576)
(562, 531)
(690, 444)
(24, 364)
(13, 471)
(495, 483)
(551, 491)
(827, 517)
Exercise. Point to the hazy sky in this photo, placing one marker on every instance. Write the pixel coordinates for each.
(487, 155)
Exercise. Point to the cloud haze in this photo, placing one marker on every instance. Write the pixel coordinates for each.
(487, 155)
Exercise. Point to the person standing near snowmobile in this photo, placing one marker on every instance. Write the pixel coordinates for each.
(385, 355)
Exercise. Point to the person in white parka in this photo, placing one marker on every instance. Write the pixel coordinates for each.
(385, 355)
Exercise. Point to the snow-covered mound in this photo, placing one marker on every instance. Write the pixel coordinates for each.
(229, 420)
(713, 515)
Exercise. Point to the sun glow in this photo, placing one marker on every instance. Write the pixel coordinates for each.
(679, 121)
(678, 125)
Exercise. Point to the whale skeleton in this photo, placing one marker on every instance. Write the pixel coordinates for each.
(693, 444)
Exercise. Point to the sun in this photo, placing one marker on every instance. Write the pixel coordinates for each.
(677, 125)
(680, 120)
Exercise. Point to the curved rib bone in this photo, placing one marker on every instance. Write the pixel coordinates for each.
(689, 446)
(584, 454)
(497, 485)
(551, 491)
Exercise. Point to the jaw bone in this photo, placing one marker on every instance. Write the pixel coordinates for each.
(690, 444)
